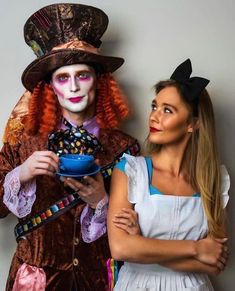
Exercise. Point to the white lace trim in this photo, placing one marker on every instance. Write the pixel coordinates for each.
(101, 206)
(93, 225)
(18, 198)
(225, 185)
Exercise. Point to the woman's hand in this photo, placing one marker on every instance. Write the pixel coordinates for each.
(212, 251)
(91, 190)
(127, 220)
(39, 163)
(192, 265)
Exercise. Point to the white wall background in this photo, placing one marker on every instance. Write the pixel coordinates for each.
(154, 36)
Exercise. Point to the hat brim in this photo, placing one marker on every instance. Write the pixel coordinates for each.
(40, 68)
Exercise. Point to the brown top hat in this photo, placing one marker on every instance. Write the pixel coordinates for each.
(65, 34)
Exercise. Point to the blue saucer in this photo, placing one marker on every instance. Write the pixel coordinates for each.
(94, 169)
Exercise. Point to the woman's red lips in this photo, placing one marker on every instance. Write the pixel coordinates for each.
(153, 129)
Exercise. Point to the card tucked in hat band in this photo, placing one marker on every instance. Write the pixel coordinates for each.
(73, 140)
(191, 87)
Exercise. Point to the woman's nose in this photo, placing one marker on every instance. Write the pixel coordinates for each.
(155, 115)
(74, 85)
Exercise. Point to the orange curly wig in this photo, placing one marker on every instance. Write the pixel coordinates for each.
(45, 115)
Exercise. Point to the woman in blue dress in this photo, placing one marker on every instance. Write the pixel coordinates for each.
(177, 194)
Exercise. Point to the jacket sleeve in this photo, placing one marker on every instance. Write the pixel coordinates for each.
(9, 159)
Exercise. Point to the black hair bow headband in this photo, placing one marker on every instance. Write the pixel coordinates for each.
(191, 87)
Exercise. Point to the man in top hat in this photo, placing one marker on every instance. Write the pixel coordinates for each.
(73, 105)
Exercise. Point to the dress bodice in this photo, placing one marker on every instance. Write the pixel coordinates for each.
(167, 217)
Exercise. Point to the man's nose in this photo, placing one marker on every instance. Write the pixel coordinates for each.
(74, 84)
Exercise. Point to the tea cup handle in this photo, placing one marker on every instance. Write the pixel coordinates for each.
(62, 168)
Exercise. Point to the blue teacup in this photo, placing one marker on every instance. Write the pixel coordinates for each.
(76, 163)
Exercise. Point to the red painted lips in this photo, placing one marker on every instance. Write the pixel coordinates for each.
(75, 99)
(153, 129)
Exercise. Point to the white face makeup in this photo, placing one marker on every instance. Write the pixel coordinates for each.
(74, 86)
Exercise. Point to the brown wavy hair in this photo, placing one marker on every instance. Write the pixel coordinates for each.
(45, 115)
(201, 158)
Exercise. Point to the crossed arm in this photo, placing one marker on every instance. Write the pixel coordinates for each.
(208, 255)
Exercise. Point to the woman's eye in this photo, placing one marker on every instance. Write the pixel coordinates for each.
(153, 107)
(167, 110)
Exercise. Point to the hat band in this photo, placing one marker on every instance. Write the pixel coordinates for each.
(77, 44)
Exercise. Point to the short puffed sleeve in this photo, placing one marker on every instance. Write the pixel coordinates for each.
(225, 185)
(136, 171)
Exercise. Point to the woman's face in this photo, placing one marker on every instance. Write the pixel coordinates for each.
(169, 119)
(74, 86)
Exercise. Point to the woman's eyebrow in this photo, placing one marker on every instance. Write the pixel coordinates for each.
(164, 104)
(170, 105)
